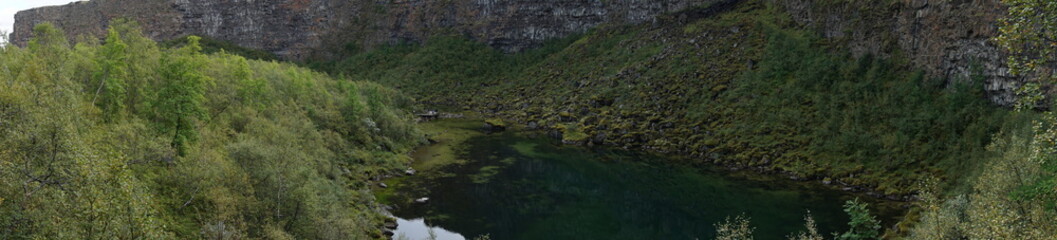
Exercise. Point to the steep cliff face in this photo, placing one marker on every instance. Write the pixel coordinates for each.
(92, 17)
(947, 39)
(297, 29)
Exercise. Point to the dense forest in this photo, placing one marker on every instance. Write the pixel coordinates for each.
(123, 139)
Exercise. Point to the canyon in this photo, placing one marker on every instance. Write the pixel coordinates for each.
(947, 39)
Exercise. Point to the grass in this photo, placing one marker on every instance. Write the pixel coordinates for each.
(447, 133)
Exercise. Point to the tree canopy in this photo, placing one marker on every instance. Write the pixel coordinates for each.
(128, 140)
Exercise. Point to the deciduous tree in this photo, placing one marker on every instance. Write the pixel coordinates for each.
(180, 101)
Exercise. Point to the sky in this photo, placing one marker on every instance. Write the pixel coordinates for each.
(8, 8)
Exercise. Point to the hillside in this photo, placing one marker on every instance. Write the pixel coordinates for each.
(943, 106)
(942, 38)
(752, 87)
(126, 140)
(735, 88)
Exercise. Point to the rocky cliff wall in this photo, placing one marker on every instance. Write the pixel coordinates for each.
(949, 39)
(297, 29)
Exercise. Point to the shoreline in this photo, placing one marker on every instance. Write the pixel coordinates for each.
(444, 138)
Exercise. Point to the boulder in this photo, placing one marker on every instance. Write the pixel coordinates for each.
(494, 125)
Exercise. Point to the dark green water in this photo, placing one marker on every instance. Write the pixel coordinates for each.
(518, 187)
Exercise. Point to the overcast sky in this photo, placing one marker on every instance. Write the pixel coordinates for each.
(8, 8)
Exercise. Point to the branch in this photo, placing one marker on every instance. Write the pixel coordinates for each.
(188, 202)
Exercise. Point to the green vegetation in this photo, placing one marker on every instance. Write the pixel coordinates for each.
(180, 101)
(742, 88)
(812, 230)
(1029, 33)
(210, 46)
(736, 229)
(495, 123)
(1004, 200)
(864, 121)
(863, 226)
(442, 70)
(1014, 194)
(751, 88)
(127, 140)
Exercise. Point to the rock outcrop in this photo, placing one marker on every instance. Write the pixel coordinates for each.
(298, 29)
(947, 39)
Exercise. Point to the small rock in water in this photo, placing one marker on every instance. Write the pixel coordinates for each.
(409, 171)
(422, 200)
(383, 185)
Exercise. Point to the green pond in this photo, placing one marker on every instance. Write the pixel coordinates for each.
(520, 185)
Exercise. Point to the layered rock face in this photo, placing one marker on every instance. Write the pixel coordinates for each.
(297, 29)
(947, 39)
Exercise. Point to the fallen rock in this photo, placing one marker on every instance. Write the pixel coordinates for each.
(410, 171)
(422, 200)
(383, 185)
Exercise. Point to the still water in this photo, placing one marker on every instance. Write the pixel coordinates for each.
(517, 186)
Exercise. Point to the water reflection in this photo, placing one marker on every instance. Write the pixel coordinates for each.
(518, 187)
(417, 229)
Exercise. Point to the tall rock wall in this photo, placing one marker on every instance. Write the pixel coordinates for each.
(297, 29)
(949, 39)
